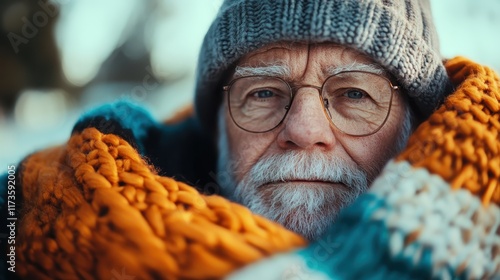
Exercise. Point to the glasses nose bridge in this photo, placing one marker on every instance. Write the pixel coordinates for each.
(295, 89)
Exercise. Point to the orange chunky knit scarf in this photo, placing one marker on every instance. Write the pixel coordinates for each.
(93, 208)
(461, 141)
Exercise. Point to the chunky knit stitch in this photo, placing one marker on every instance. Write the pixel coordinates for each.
(460, 142)
(95, 207)
(398, 34)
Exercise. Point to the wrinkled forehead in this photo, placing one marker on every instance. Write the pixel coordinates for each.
(324, 58)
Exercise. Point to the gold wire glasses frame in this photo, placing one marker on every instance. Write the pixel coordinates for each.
(268, 96)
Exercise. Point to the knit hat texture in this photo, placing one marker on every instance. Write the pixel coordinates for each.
(398, 34)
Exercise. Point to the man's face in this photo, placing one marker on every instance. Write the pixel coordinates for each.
(304, 171)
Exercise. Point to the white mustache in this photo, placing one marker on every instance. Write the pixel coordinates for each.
(298, 165)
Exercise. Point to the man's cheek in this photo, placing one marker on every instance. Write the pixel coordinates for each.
(240, 167)
(245, 151)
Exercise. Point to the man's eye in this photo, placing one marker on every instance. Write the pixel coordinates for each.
(354, 94)
(263, 94)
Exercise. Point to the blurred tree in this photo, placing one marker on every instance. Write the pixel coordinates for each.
(28, 53)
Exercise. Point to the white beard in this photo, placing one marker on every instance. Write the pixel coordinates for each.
(305, 209)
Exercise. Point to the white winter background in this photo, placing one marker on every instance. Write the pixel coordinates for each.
(88, 31)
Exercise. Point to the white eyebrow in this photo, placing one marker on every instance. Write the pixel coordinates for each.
(277, 70)
(283, 71)
(355, 66)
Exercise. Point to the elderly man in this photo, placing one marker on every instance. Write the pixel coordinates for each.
(317, 97)
(300, 108)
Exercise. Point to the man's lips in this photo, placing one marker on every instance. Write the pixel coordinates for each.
(312, 182)
(308, 181)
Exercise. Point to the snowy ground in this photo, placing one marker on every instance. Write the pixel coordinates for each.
(466, 27)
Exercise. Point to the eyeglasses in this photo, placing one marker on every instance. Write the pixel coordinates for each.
(357, 102)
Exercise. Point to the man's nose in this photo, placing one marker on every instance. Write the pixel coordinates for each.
(307, 125)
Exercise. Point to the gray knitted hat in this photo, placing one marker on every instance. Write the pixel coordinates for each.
(398, 34)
